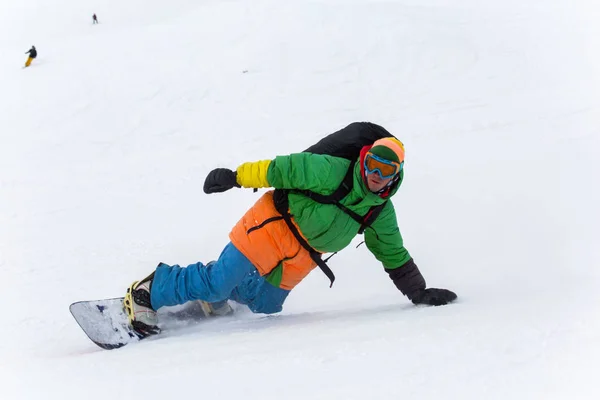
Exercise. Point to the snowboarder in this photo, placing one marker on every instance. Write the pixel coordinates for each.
(94, 19)
(320, 202)
(32, 54)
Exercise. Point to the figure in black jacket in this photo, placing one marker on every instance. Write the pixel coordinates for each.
(94, 19)
(32, 54)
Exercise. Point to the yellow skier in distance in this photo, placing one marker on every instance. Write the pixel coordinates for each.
(32, 54)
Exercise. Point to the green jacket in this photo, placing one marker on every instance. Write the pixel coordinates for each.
(327, 228)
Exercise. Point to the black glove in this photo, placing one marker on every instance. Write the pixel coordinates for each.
(434, 297)
(407, 278)
(219, 180)
(410, 282)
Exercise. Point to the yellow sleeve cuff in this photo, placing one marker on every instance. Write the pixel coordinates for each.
(253, 174)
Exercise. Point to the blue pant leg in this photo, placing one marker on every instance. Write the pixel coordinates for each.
(259, 295)
(174, 285)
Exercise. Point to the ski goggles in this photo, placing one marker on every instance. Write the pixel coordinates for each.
(385, 168)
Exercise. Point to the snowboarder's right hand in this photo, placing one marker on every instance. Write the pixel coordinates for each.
(219, 180)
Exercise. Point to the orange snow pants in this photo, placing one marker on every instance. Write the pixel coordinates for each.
(265, 239)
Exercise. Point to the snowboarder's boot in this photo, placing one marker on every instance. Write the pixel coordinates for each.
(142, 316)
(216, 309)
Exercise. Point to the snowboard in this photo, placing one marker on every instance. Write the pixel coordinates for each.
(105, 321)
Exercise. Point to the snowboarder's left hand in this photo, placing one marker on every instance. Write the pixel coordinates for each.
(434, 297)
(219, 180)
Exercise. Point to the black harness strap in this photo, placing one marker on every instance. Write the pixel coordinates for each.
(282, 206)
(371, 217)
(339, 193)
(342, 191)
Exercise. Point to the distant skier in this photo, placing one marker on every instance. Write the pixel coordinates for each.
(323, 198)
(32, 55)
(94, 19)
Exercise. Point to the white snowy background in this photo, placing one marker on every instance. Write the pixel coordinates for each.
(106, 139)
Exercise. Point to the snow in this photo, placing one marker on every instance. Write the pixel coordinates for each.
(106, 139)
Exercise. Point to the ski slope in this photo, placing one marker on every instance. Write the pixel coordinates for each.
(106, 139)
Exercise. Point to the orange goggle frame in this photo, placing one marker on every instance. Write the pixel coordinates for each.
(385, 168)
